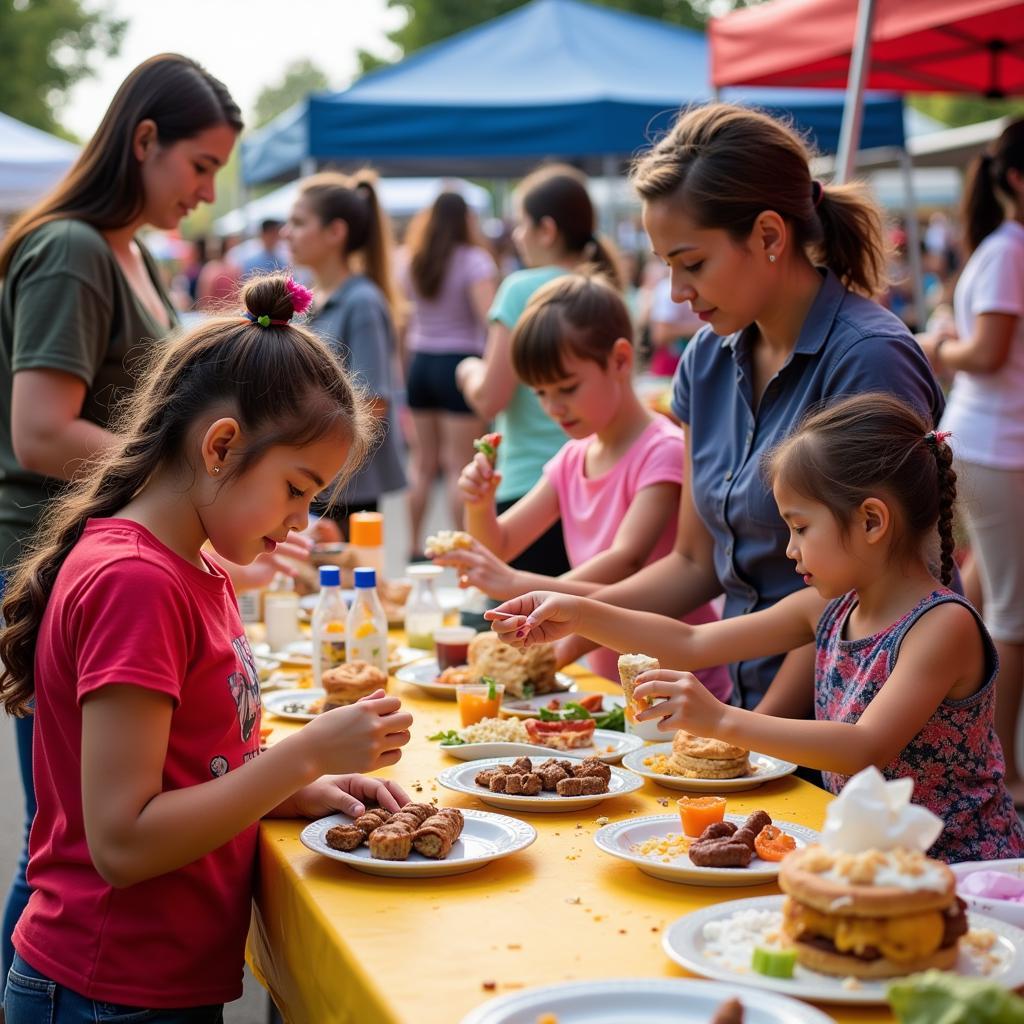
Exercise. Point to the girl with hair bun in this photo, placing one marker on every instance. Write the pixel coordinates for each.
(555, 234)
(986, 410)
(905, 669)
(779, 267)
(339, 230)
(126, 637)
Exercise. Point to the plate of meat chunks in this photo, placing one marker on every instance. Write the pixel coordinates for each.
(419, 840)
(535, 784)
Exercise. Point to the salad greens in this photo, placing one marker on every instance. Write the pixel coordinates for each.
(449, 736)
(936, 997)
(615, 720)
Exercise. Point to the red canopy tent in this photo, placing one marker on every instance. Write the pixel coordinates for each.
(916, 45)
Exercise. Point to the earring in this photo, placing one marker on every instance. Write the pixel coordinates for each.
(216, 469)
(771, 257)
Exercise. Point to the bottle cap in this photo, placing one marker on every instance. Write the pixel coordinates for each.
(365, 577)
(423, 569)
(330, 576)
(366, 529)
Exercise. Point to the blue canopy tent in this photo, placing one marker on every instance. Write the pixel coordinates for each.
(554, 78)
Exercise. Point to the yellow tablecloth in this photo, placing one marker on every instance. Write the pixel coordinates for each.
(335, 945)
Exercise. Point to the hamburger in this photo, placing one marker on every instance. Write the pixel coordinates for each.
(345, 684)
(701, 757)
(873, 914)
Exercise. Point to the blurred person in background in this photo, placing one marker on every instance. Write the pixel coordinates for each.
(272, 253)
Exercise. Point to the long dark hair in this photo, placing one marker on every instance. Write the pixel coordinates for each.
(333, 196)
(581, 314)
(726, 165)
(559, 192)
(987, 181)
(433, 237)
(286, 388)
(104, 186)
(855, 448)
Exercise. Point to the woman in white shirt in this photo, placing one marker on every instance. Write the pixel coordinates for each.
(985, 411)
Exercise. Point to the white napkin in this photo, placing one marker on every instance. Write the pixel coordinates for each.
(873, 814)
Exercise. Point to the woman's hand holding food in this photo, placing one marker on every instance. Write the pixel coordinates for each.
(348, 794)
(536, 618)
(360, 737)
(479, 567)
(678, 700)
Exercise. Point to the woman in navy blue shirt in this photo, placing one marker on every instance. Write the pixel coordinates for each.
(780, 268)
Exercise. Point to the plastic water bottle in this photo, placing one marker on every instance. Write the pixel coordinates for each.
(329, 621)
(367, 624)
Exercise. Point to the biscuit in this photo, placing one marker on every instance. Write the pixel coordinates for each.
(706, 747)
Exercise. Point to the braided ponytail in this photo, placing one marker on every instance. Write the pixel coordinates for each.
(947, 500)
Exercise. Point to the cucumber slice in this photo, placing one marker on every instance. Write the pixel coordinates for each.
(773, 963)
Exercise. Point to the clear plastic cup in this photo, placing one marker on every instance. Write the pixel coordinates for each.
(478, 701)
(452, 646)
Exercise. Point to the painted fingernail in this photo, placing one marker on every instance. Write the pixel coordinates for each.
(520, 633)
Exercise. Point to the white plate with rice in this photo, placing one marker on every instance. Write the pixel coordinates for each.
(629, 839)
(608, 746)
(763, 768)
(718, 942)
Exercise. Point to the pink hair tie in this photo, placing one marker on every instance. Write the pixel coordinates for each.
(302, 298)
(938, 437)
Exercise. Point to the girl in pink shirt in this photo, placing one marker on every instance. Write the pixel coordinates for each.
(126, 637)
(615, 484)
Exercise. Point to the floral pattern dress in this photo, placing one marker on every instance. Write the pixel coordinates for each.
(956, 760)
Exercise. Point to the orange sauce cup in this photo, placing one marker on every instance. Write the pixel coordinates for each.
(476, 703)
(697, 812)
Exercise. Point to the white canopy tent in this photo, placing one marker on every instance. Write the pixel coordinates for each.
(31, 161)
(401, 197)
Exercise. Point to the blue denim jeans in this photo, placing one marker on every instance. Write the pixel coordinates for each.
(17, 895)
(32, 998)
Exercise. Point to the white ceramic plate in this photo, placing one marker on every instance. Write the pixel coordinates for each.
(618, 742)
(762, 769)
(684, 942)
(424, 675)
(460, 778)
(292, 704)
(529, 707)
(485, 837)
(639, 1001)
(620, 837)
(401, 656)
(1006, 910)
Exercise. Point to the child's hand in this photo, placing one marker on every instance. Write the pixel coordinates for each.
(481, 568)
(478, 481)
(362, 737)
(537, 618)
(687, 704)
(348, 794)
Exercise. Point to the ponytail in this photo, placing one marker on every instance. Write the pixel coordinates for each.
(354, 200)
(988, 184)
(725, 165)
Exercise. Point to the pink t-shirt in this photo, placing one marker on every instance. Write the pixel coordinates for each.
(448, 322)
(125, 609)
(593, 508)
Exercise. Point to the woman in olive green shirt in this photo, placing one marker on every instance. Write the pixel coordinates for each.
(82, 302)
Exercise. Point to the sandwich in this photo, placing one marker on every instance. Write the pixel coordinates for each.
(872, 914)
(631, 666)
(701, 757)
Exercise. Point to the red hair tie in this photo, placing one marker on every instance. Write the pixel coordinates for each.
(938, 437)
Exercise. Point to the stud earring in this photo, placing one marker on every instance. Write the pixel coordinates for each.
(216, 469)
(771, 257)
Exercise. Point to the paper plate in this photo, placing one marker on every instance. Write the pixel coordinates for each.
(620, 837)
(763, 768)
(485, 837)
(460, 778)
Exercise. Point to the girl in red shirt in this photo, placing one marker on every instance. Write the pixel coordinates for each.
(149, 776)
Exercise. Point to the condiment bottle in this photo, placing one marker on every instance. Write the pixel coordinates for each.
(367, 624)
(423, 613)
(366, 539)
(281, 612)
(329, 620)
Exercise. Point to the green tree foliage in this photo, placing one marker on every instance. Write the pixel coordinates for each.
(956, 109)
(46, 46)
(430, 21)
(299, 80)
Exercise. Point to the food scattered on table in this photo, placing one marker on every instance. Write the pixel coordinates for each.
(697, 812)
(345, 684)
(444, 542)
(702, 757)
(664, 848)
(393, 836)
(588, 777)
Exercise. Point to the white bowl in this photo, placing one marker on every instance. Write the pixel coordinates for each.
(1006, 910)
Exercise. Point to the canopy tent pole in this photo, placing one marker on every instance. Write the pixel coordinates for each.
(853, 108)
(913, 237)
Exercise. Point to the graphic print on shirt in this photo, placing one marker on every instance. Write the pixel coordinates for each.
(245, 688)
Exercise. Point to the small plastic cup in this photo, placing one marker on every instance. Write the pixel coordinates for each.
(478, 701)
(452, 646)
